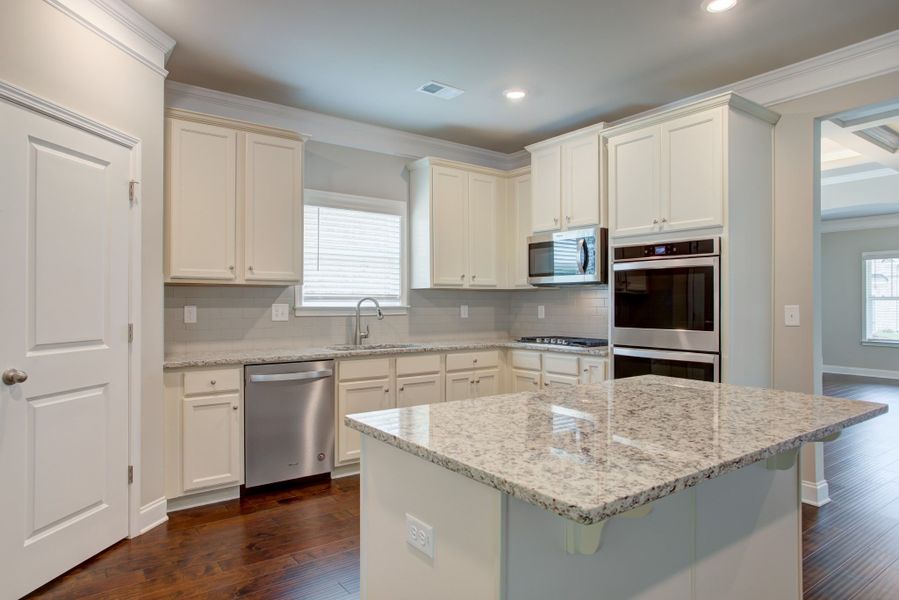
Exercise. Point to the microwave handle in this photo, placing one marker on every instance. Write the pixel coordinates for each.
(582, 255)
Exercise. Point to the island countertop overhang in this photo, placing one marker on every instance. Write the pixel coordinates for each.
(590, 452)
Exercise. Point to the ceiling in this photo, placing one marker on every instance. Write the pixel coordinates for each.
(582, 61)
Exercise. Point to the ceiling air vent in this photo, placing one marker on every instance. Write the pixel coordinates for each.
(441, 90)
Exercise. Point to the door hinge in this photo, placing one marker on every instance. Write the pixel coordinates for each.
(130, 332)
(132, 191)
(130, 474)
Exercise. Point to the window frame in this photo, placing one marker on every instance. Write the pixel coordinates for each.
(387, 206)
(866, 299)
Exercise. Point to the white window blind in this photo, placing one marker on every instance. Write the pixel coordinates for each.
(881, 297)
(352, 248)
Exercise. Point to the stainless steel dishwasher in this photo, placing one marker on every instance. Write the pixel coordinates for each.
(288, 421)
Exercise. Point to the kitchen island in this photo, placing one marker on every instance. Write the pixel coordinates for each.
(648, 487)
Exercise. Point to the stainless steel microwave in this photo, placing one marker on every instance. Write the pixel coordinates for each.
(577, 256)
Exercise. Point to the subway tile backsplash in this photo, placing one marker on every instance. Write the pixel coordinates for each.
(241, 317)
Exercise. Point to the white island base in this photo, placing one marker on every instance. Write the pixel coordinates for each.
(736, 537)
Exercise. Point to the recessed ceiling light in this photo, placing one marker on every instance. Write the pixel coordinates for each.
(515, 94)
(719, 6)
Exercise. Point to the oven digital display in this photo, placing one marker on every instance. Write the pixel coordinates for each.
(660, 250)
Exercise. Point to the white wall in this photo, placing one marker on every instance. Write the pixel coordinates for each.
(842, 281)
(51, 55)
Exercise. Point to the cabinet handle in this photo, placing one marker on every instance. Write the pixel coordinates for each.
(556, 220)
(212, 382)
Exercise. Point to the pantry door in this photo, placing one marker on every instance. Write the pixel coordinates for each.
(64, 241)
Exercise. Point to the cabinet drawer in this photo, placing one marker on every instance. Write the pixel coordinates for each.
(418, 364)
(371, 368)
(561, 364)
(526, 359)
(472, 360)
(211, 381)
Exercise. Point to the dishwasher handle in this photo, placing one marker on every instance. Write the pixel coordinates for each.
(299, 376)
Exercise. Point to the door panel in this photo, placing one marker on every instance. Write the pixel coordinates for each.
(580, 181)
(594, 370)
(63, 431)
(521, 209)
(211, 441)
(413, 391)
(634, 194)
(358, 397)
(459, 386)
(693, 171)
(484, 235)
(273, 208)
(202, 201)
(450, 226)
(546, 189)
(486, 383)
(525, 381)
(550, 380)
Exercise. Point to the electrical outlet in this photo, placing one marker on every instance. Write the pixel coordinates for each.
(463, 311)
(791, 315)
(420, 535)
(280, 312)
(190, 313)
(541, 311)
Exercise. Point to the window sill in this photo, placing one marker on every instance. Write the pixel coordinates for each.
(346, 311)
(885, 343)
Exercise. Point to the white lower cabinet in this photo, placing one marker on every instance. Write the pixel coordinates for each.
(533, 370)
(594, 370)
(525, 381)
(486, 383)
(460, 386)
(551, 380)
(211, 442)
(420, 389)
(358, 397)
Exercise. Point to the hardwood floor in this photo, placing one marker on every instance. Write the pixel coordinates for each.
(851, 545)
(303, 542)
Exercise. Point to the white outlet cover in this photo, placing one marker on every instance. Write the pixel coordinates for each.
(541, 311)
(463, 311)
(280, 312)
(791, 315)
(420, 535)
(190, 313)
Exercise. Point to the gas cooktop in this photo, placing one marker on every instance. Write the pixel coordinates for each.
(565, 341)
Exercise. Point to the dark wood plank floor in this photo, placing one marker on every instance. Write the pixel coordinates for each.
(303, 542)
(851, 545)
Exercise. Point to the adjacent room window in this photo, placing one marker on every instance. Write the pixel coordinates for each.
(352, 247)
(881, 304)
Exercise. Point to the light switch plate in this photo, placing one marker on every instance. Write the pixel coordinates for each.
(420, 535)
(190, 313)
(280, 312)
(791, 315)
(463, 311)
(541, 311)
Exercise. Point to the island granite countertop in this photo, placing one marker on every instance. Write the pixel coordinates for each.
(238, 356)
(590, 452)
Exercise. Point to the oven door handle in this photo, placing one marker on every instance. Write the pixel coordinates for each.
(696, 357)
(674, 263)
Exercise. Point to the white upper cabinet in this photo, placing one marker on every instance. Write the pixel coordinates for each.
(669, 172)
(458, 225)
(565, 178)
(202, 190)
(273, 208)
(234, 201)
(520, 219)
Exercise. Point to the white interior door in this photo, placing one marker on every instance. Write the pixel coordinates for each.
(64, 222)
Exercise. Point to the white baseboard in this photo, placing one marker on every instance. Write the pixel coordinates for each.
(203, 498)
(859, 371)
(152, 514)
(816, 493)
(345, 471)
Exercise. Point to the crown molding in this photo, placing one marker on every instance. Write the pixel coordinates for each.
(187, 115)
(330, 129)
(860, 223)
(123, 27)
(597, 128)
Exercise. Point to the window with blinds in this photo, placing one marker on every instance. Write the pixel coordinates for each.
(881, 297)
(352, 248)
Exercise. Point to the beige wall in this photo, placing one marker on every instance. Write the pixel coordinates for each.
(51, 55)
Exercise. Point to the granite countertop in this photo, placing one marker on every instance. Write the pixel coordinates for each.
(274, 355)
(590, 452)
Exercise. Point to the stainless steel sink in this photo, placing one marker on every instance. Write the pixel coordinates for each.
(350, 347)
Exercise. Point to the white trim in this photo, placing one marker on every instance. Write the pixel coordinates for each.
(388, 206)
(815, 493)
(152, 515)
(866, 298)
(203, 498)
(861, 372)
(859, 223)
(345, 471)
(123, 27)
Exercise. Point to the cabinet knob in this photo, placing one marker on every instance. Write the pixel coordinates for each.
(555, 219)
(546, 383)
(212, 382)
(664, 219)
(473, 277)
(475, 361)
(478, 380)
(230, 267)
(402, 388)
(387, 389)
(655, 221)
(462, 276)
(568, 219)
(250, 267)
(536, 382)
(234, 407)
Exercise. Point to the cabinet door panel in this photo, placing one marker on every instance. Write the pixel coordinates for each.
(483, 231)
(273, 204)
(459, 386)
(521, 211)
(594, 370)
(211, 441)
(486, 382)
(580, 182)
(693, 171)
(525, 381)
(550, 380)
(202, 201)
(412, 391)
(449, 226)
(546, 189)
(634, 182)
(358, 397)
